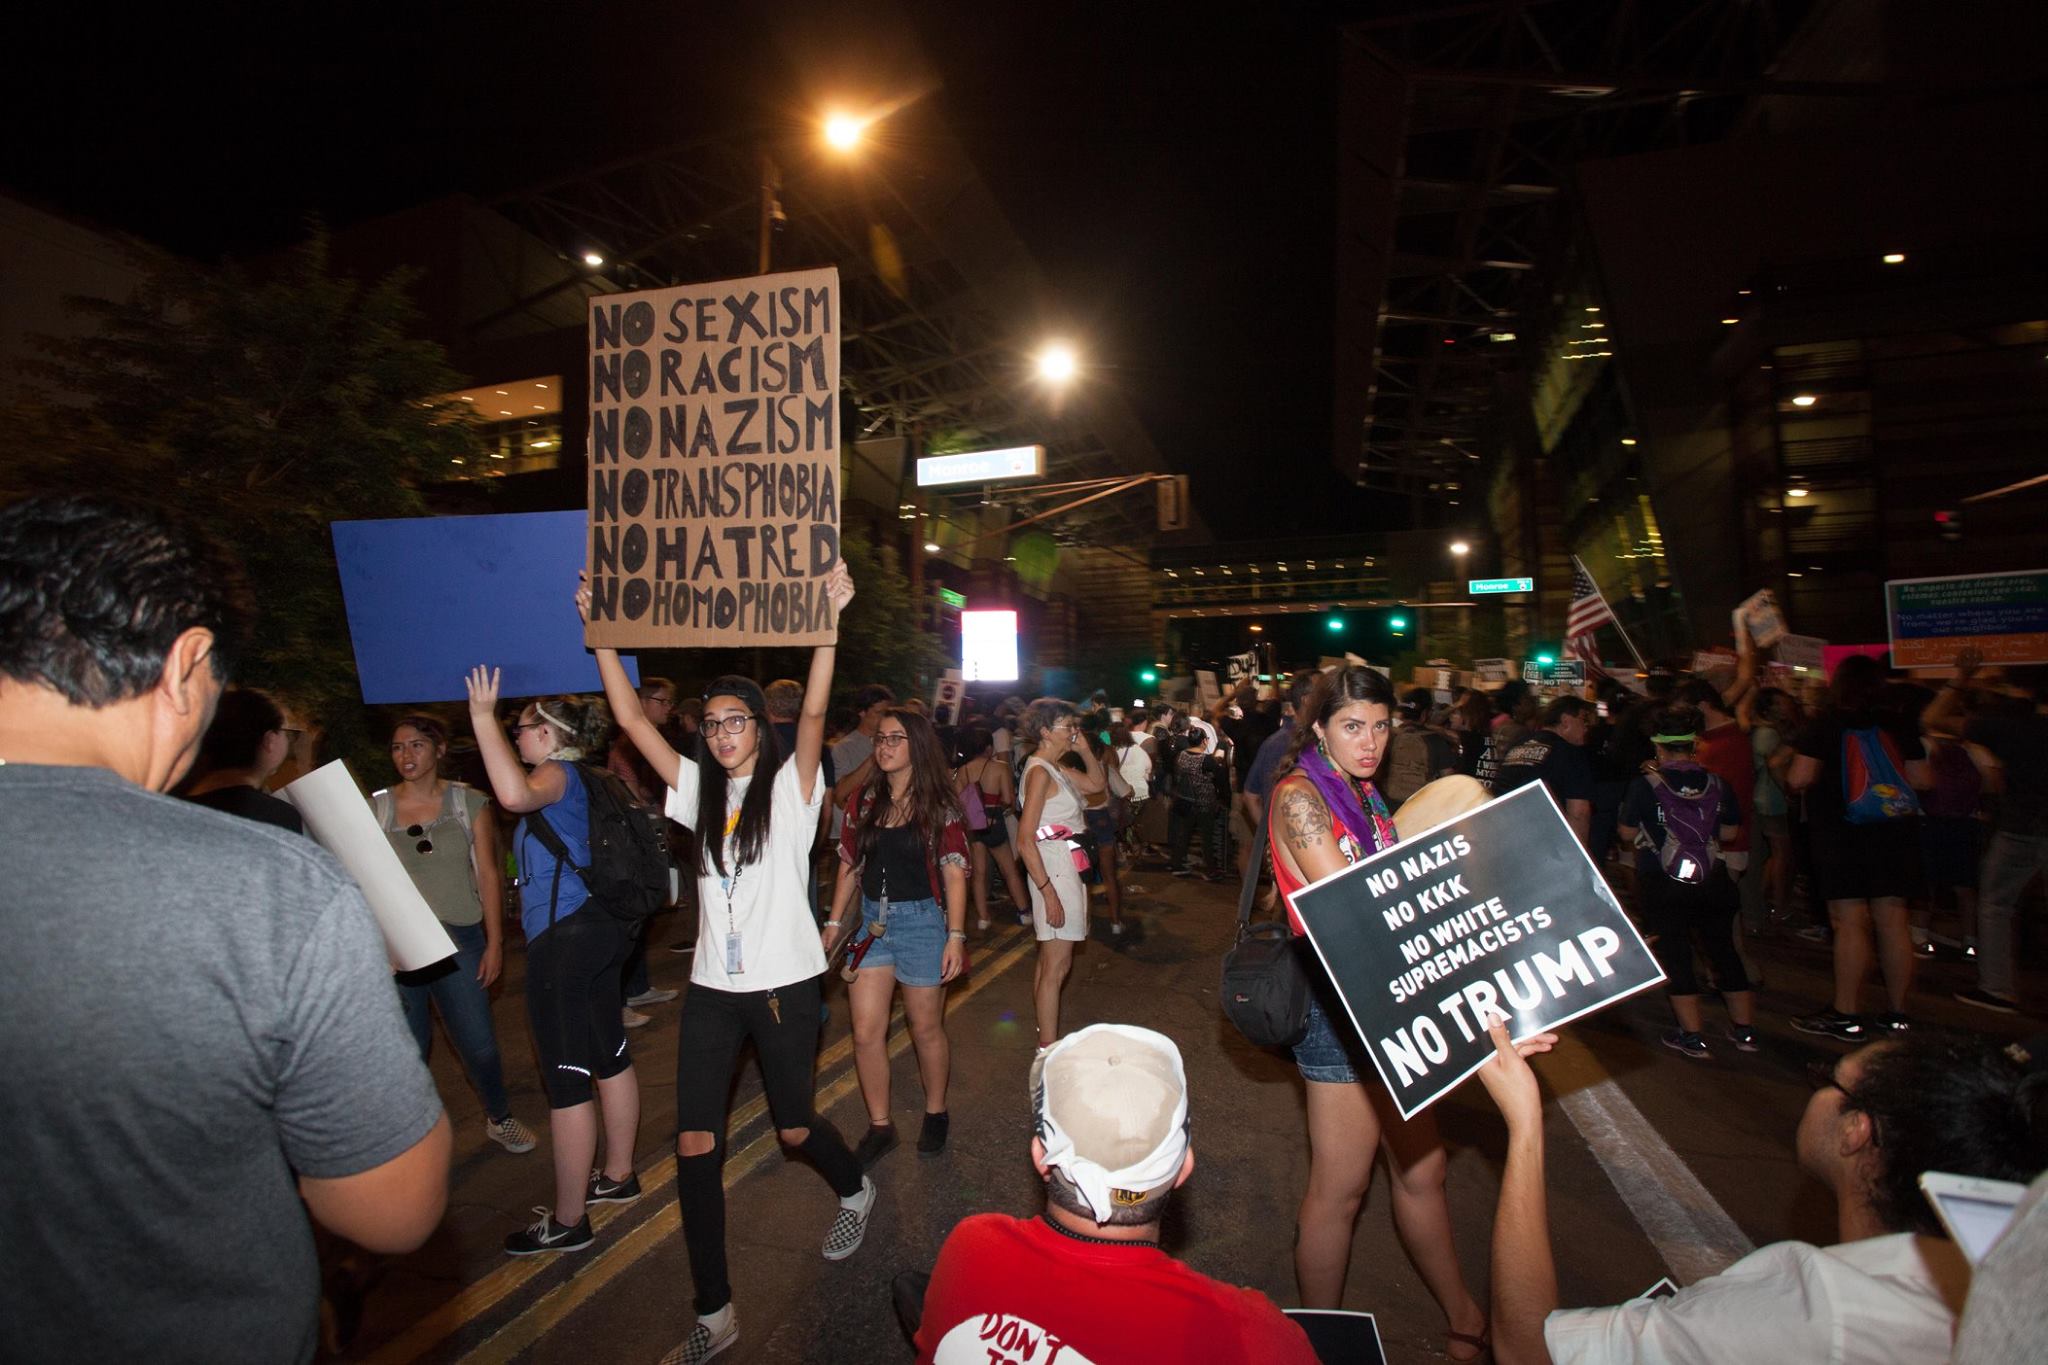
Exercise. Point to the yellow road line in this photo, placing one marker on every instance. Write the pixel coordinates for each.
(474, 1300)
(548, 1311)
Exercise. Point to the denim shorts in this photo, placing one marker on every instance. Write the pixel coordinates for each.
(915, 944)
(1330, 1051)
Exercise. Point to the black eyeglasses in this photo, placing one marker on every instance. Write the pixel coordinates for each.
(732, 725)
(424, 845)
(1821, 1076)
(516, 730)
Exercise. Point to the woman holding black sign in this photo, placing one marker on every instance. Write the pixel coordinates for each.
(758, 962)
(1326, 815)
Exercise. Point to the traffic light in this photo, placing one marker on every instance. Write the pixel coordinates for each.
(1336, 624)
(1949, 525)
(1147, 676)
(1397, 623)
(1546, 658)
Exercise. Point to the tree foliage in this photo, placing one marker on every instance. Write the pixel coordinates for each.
(259, 407)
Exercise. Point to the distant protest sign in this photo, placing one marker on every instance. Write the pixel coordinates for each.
(2004, 616)
(1497, 911)
(714, 463)
(1759, 615)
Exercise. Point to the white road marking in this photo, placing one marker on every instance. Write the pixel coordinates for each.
(1687, 1225)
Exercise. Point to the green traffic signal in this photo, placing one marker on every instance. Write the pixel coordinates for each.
(1397, 623)
(1147, 676)
(1336, 625)
(1546, 658)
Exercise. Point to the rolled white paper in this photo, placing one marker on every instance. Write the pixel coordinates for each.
(340, 821)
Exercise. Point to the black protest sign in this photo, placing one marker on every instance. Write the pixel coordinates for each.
(714, 463)
(1497, 911)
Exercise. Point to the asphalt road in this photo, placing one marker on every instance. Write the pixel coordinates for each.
(1659, 1165)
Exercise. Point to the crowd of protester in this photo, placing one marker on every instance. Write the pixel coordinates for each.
(1893, 819)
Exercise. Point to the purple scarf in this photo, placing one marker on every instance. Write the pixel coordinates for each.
(1340, 794)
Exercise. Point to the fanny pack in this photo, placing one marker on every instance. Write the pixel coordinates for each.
(1054, 834)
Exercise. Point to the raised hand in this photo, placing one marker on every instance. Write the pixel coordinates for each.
(583, 596)
(839, 587)
(1508, 1077)
(483, 692)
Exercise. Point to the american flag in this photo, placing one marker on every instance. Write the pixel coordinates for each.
(1588, 611)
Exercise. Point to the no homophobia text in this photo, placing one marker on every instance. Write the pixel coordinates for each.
(714, 463)
(1496, 912)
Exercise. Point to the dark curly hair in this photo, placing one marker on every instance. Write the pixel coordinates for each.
(93, 593)
(1948, 1102)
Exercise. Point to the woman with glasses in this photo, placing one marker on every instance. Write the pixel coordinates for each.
(1049, 844)
(756, 972)
(903, 851)
(574, 954)
(444, 835)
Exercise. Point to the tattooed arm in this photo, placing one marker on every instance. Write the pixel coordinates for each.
(1308, 839)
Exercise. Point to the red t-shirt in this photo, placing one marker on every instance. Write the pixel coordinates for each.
(1725, 752)
(1015, 1290)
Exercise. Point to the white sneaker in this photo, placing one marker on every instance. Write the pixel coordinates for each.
(707, 1338)
(632, 1018)
(850, 1224)
(510, 1134)
(652, 996)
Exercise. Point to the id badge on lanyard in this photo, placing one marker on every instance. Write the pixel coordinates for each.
(735, 958)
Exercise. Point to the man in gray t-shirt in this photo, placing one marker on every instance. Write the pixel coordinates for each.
(198, 1031)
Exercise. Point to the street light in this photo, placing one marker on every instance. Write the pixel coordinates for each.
(1057, 363)
(1459, 547)
(591, 258)
(843, 132)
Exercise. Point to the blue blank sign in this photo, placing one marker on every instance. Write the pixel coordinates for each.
(429, 598)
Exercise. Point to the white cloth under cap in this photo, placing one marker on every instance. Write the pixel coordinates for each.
(1112, 1106)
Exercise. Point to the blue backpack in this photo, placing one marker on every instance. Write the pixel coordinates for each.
(1872, 789)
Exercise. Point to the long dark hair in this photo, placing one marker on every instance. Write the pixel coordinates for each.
(1334, 691)
(932, 800)
(751, 835)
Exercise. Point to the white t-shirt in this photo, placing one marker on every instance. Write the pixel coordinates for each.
(1136, 767)
(770, 901)
(1888, 1300)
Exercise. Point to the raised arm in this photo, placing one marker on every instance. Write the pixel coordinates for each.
(1524, 1272)
(517, 790)
(810, 723)
(625, 702)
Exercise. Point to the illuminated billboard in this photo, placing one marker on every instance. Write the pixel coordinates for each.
(988, 646)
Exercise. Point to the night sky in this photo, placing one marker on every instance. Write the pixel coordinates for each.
(1173, 176)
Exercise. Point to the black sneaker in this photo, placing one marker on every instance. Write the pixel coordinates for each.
(603, 1191)
(879, 1142)
(548, 1235)
(1894, 1024)
(931, 1139)
(1989, 1000)
(1831, 1023)
(1744, 1037)
(1687, 1044)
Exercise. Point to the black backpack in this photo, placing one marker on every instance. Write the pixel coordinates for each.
(629, 873)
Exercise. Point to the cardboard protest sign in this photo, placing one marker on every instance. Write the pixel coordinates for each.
(1759, 615)
(2004, 616)
(1803, 652)
(714, 462)
(1496, 911)
(429, 598)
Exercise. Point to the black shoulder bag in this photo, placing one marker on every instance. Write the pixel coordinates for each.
(1265, 982)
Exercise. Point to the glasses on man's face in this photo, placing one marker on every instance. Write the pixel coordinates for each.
(1820, 1075)
(732, 725)
(414, 832)
(890, 741)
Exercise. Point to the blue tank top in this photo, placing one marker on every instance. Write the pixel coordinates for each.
(570, 820)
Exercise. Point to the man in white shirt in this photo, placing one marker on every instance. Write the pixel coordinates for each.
(1886, 1293)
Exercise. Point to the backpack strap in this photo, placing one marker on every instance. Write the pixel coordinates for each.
(1248, 892)
(542, 830)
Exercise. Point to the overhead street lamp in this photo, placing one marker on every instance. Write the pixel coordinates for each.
(843, 132)
(1057, 363)
(1459, 547)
